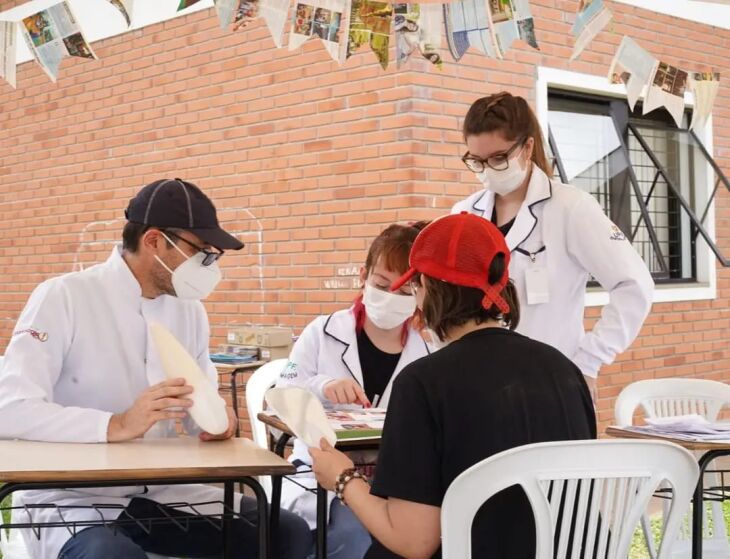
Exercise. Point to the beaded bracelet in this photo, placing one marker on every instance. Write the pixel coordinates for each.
(343, 479)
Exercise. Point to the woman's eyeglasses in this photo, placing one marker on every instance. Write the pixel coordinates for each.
(497, 162)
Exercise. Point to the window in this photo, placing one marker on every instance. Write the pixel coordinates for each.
(649, 176)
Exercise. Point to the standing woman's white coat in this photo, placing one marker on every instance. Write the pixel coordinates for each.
(559, 237)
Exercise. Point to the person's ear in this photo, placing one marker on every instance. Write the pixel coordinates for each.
(529, 147)
(153, 240)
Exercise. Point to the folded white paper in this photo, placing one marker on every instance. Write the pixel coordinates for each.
(303, 413)
(209, 409)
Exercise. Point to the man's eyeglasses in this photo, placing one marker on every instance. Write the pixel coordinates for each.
(497, 162)
(210, 256)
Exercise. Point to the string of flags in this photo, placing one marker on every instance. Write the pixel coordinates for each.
(343, 26)
(664, 85)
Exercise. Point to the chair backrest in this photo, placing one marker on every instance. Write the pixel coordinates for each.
(608, 479)
(670, 397)
(263, 378)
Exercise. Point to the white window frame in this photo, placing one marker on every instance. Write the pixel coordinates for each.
(706, 285)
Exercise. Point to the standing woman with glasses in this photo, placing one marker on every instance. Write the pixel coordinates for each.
(558, 235)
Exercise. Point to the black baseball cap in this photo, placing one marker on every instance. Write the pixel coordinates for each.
(179, 204)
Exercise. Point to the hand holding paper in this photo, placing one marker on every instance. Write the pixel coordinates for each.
(208, 409)
(303, 413)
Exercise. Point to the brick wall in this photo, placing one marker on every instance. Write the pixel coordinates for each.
(308, 160)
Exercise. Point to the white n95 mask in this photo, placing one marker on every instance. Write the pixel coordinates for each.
(192, 280)
(504, 182)
(385, 309)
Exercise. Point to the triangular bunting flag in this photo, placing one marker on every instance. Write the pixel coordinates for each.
(370, 23)
(632, 66)
(323, 19)
(417, 27)
(590, 20)
(666, 89)
(52, 34)
(467, 23)
(704, 86)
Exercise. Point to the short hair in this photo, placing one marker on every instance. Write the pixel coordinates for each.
(447, 305)
(132, 234)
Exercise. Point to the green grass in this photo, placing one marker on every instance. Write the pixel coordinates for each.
(638, 546)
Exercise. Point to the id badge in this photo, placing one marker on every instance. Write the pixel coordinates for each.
(537, 284)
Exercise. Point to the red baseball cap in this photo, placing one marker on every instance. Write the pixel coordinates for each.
(459, 249)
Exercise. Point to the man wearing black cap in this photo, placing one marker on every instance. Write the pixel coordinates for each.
(81, 367)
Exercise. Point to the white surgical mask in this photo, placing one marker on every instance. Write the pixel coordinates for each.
(192, 280)
(385, 309)
(504, 182)
(436, 342)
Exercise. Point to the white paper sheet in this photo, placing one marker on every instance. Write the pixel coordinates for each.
(303, 413)
(209, 409)
(467, 24)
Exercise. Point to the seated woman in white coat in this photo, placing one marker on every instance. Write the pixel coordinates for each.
(352, 357)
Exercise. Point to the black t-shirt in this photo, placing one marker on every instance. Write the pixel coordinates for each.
(490, 391)
(377, 365)
(504, 229)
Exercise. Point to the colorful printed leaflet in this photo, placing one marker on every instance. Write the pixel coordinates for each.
(370, 23)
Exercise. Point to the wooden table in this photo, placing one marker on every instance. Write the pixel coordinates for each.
(234, 369)
(711, 451)
(33, 465)
(286, 434)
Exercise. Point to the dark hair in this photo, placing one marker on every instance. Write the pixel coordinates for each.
(513, 117)
(132, 234)
(448, 305)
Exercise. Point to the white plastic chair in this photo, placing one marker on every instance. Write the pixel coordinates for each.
(671, 397)
(261, 380)
(625, 475)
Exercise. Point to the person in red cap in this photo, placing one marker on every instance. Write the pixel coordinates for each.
(488, 390)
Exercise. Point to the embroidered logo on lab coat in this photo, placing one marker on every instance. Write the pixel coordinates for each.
(290, 371)
(617, 234)
(40, 336)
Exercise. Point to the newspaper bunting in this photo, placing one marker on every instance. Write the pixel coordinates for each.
(417, 27)
(590, 20)
(239, 13)
(467, 23)
(666, 89)
(704, 86)
(370, 23)
(490, 28)
(8, 48)
(511, 20)
(53, 34)
(633, 67)
(125, 8)
(324, 19)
